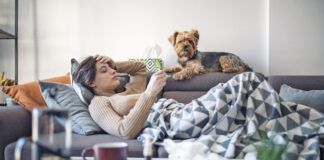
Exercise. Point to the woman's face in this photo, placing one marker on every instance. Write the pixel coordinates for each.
(106, 80)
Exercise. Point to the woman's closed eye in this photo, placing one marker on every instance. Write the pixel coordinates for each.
(103, 69)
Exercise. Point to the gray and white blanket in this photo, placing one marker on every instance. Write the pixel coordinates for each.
(232, 112)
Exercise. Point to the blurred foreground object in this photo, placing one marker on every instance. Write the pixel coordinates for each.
(6, 82)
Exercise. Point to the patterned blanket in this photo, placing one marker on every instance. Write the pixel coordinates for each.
(231, 116)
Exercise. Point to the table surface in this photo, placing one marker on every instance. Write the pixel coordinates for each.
(129, 158)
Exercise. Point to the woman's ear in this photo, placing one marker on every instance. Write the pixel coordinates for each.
(92, 85)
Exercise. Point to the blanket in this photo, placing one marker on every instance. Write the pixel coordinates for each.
(231, 116)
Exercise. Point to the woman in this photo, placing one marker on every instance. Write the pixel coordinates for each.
(122, 114)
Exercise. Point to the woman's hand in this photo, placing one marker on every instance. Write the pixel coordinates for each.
(106, 59)
(157, 82)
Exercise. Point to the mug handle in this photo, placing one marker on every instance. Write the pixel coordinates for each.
(19, 147)
(84, 151)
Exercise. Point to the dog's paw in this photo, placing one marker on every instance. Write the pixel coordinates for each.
(179, 76)
(176, 69)
(172, 69)
(167, 70)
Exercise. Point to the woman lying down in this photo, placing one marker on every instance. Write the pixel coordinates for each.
(226, 119)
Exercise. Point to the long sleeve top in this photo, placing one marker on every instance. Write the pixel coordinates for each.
(125, 113)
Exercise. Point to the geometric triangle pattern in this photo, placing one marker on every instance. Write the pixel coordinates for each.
(232, 112)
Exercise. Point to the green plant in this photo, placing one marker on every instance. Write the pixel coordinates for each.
(272, 147)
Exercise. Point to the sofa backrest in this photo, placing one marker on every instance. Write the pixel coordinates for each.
(299, 82)
(187, 90)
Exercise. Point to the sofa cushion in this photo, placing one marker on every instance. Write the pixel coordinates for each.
(312, 98)
(61, 96)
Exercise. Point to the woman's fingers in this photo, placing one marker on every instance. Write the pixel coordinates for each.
(105, 60)
(102, 59)
(156, 83)
(161, 80)
(160, 73)
(98, 57)
(161, 77)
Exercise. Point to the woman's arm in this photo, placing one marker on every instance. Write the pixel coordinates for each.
(136, 70)
(128, 126)
(138, 75)
(131, 67)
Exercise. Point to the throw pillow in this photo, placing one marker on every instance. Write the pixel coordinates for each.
(312, 98)
(62, 96)
(28, 95)
(85, 94)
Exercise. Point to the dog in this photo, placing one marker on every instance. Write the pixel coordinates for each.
(193, 62)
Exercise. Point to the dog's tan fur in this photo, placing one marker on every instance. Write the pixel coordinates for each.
(191, 60)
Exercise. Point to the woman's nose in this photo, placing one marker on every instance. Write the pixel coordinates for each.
(112, 71)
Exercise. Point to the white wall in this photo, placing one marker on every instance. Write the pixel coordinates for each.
(296, 37)
(123, 29)
(7, 46)
(48, 40)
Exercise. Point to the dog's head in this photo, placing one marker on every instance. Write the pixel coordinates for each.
(185, 44)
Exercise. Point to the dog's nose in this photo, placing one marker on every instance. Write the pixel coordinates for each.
(185, 47)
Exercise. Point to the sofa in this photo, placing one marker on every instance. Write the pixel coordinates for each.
(15, 121)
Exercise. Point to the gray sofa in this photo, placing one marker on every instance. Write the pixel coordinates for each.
(15, 121)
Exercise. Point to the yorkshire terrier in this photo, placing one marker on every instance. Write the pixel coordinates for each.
(193, 62)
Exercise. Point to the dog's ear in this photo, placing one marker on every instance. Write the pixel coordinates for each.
(196, 34)
(173, 37)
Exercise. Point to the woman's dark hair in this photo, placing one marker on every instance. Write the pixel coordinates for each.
(85, 73)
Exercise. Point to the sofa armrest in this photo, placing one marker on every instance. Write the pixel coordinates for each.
(15, 122)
